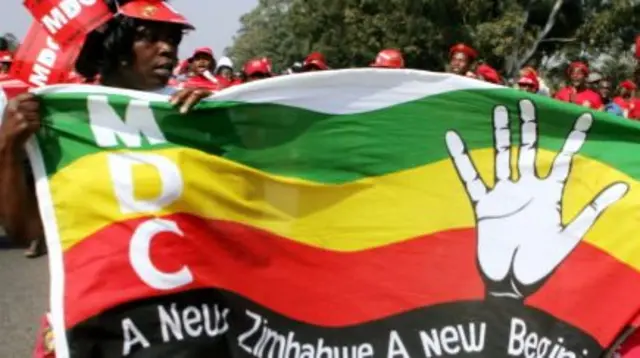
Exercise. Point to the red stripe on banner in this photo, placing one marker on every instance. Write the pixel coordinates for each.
(590, 290)
(302, 282)
(593, 291)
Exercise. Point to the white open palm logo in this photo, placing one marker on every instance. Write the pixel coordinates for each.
(521, 237)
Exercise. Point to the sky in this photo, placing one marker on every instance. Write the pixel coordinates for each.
(215, 23)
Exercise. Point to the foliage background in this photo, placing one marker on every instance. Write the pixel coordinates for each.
(508, 33)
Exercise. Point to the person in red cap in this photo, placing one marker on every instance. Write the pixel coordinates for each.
(136, 50)
(577, 91)
(6, 59)
(202, 66)
(314, 62)
(389, 58)
(225, 69)
(489, 74)
(634, 102)
(626, 92)
(605, 90)
(257, 69)
(202, 60)
(529, 82)
(461, 59)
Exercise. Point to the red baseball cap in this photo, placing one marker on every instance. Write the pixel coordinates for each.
(257, 66)
(578, 65)
(628, 85)
(468, 51)
(6, 56)
(315, 59)
(488, 73)
(389, 58)
(202, 50)
(154, 10)
(205, 50)
(530, 79)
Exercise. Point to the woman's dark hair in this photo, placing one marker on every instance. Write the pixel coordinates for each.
(4, 44)
(107, 48)
(103, 52)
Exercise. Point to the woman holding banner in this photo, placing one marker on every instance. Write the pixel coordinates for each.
(136, 49)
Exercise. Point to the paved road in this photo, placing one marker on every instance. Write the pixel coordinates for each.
(24, 286)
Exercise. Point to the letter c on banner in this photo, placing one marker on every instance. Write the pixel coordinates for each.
(140, 256)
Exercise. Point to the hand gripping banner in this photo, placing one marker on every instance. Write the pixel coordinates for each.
(354, 213)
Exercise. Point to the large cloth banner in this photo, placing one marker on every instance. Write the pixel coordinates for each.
(354, 213)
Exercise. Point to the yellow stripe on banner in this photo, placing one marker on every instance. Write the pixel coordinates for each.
(360, 215)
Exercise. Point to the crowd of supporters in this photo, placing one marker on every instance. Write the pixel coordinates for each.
(137, 51)
(201, 71)
(583, 87)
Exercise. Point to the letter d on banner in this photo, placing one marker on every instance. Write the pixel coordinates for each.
(68, 21)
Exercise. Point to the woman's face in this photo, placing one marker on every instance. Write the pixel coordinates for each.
(202, 62)
(459, 63)
(4, 67)
(578, 77)
(155, 55)
(227, 73)
(527, 87)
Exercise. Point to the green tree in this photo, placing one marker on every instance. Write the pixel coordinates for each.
(507, 33)
(263, 32)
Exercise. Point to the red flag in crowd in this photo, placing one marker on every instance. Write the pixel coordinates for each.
(11, 87)
(40, 61)
(69, 21)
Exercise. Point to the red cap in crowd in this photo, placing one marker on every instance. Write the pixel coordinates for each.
(488, 73)
(6, 56)
(257, 66)
(389, 58)
(267, 62)
(202, 51)
(529, 79)
(315, 59)
(154, 10)
(468, 51)
(628, 85)
(578, 65)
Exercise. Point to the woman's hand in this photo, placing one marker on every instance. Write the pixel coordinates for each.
(20, 120)
(189, 97)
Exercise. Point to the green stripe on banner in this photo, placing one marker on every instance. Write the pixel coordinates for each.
(292, 142)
